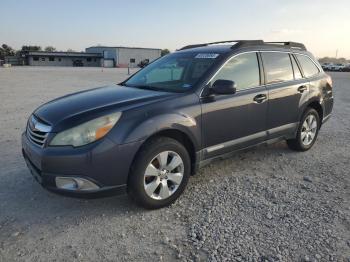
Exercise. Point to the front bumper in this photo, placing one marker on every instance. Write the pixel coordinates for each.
(104, 163)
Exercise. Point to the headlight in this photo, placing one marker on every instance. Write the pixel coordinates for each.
(87, 132)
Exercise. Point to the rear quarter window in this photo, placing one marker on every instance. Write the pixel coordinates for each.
(297, 73)
(309, 67)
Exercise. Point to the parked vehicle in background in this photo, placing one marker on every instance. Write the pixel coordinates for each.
(337, 67)
(327, 66)
(148, 134)
(78, 63)
(346, 68)
(143, 63)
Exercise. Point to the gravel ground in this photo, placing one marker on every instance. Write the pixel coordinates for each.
(266, 204)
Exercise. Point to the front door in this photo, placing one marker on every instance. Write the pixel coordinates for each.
(237, 120)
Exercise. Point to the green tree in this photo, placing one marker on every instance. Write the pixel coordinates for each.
(2, 53)
(31, 48)
(6, 50)
(50, 49)
(164, 52)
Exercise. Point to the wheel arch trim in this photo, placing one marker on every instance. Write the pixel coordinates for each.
(316, 104)
(165, 123)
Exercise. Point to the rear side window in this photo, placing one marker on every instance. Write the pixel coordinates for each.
(277, 66)
(309, 68)
(297, 73)
(242, 69)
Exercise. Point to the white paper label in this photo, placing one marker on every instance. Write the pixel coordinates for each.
(207, 55)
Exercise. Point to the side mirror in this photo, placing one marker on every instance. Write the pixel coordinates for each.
(224, 87)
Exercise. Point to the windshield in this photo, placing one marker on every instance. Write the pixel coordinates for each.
(174, 72)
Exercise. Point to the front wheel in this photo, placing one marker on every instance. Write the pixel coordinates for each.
(307, 131)
(160, 173)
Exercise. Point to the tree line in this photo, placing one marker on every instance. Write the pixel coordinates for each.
(6, 50)
(333, 60)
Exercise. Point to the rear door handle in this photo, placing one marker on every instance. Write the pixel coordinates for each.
(260, 98)
(301, 89)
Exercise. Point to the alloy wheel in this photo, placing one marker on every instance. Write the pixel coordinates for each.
(163, 175)
(308, 130)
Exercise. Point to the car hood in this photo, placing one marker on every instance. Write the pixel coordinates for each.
(81, 106)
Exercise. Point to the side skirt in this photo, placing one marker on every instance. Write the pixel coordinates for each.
(208, 161)
(326, 118)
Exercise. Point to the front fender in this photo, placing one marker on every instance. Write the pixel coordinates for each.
(170, 121)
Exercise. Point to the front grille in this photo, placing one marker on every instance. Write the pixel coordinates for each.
(36, 136)
(37, 131)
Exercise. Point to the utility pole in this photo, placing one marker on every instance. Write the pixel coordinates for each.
(336, 53)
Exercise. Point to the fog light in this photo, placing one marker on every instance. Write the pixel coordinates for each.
(75, 184)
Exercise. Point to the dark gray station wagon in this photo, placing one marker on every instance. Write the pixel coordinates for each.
(148, 134)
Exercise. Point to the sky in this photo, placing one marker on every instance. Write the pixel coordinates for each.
(323, 25)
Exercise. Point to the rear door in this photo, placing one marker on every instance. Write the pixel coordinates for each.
(287, 90)
(237, 120)
(318, 84)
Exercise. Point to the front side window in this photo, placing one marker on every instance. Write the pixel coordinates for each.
(277, 66)
(242, 69)
(177, 72)
(309, 68)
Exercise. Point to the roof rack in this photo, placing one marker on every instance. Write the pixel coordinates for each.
(244, 43)
(238, 43)
(289, 44)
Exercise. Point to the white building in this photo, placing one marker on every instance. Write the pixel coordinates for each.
(119, 56)
(40, 58)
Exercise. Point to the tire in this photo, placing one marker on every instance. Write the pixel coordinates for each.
(302, 142)
(160, 179)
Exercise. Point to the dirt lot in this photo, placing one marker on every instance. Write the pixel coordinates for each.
(267, 204)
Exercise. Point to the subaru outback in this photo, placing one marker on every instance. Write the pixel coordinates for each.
(148, 134)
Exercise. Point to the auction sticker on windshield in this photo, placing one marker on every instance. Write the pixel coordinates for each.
(207, 55)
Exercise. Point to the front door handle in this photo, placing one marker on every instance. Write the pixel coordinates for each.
(301, 89)
(260, 98)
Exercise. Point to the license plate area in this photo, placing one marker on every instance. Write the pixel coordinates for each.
(34, 171)
(31, 154)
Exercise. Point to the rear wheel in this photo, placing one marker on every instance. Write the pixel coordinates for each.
(307, 131)
(160, 173)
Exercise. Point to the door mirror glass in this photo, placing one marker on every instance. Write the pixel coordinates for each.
(224, 87)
